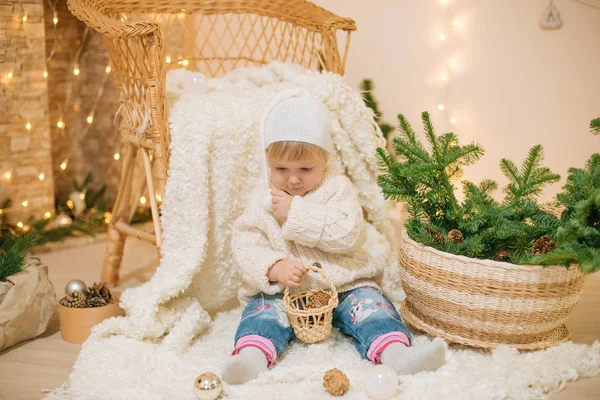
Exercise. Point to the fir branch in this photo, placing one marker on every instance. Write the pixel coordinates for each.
(367, 87)
(595, 126)
(528, 181)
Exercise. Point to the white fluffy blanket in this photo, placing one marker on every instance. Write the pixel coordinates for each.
(120, 368)
(214, 163)
(152, 353)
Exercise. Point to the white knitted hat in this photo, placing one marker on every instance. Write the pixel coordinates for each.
(295, 115)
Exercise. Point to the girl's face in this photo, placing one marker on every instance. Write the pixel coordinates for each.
(297, 177)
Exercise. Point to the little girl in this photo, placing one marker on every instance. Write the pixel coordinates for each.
(312, 215)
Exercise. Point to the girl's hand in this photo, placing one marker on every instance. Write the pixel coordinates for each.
(280, 204)
(287, 272)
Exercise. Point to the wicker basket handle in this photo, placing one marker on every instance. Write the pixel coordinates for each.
(316, 267)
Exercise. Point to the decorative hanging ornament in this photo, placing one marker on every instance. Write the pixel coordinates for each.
(63, 220)
(78, 200)
(551, 17)
(208, 386)
(381, 382)
(75, 285)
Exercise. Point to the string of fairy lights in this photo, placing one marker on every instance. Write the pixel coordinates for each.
(447, 36)
(59, 122)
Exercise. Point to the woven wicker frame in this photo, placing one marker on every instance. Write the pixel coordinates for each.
(311, 325)
(485, 303)
(145, 39)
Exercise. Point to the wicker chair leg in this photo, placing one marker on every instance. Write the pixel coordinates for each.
(115, 241)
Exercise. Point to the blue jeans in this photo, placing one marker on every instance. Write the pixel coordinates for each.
(363, 313)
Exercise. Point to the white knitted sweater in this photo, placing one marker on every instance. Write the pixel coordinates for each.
(325, 225)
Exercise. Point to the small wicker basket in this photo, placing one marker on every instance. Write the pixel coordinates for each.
(311, 325)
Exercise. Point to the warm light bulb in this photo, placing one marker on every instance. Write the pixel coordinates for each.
(143, 200)
(453, 120)
(47, 215)
(45, 74)
(441, 107)
(63, 165)
(76, 71)
(456, 23)
(184, 63)
(10, 75)
(41, 176)
(55, 19)
(453, 63)
(168, 60)
(158, 197)
(70, 204)
(181, 15)
(90, 118)
(444, 77)
(442, 37)
(60, 124)
(117, 156)
(25, 18)
(25, 203)
(108, 69)
(7, 175)
(20, 224)
(28, 126)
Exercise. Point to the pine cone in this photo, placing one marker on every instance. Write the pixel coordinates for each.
(96, 302)
(318, 299)
(456, 236)
(75, 300)
(100, 290)
(543, 245)
(502, 254)
(433, 233)
(336, 382)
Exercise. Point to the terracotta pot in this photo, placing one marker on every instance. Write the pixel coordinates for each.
(76, 323)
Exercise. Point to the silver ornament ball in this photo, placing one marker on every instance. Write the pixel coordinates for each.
(75, 285)
(208, 386)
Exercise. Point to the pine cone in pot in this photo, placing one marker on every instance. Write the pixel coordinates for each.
(76, 300)
(543, 245)
(456, 236)
(102, 291)
(96, 302)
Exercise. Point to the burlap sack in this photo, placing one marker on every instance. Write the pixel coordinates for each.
(27, 303)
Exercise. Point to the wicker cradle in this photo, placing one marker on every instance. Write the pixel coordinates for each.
(485, 303)
(146, 38)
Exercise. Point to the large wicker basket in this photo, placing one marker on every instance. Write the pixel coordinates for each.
(311, 324)
(485, 303)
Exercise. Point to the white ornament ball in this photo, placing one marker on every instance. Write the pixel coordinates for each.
(208, 386)
(75, 285)
(381, 382)
(63, 220)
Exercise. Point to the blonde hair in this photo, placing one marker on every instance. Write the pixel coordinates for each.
(296, 151)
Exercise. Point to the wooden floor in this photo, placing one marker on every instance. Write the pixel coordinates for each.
(29, 367)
